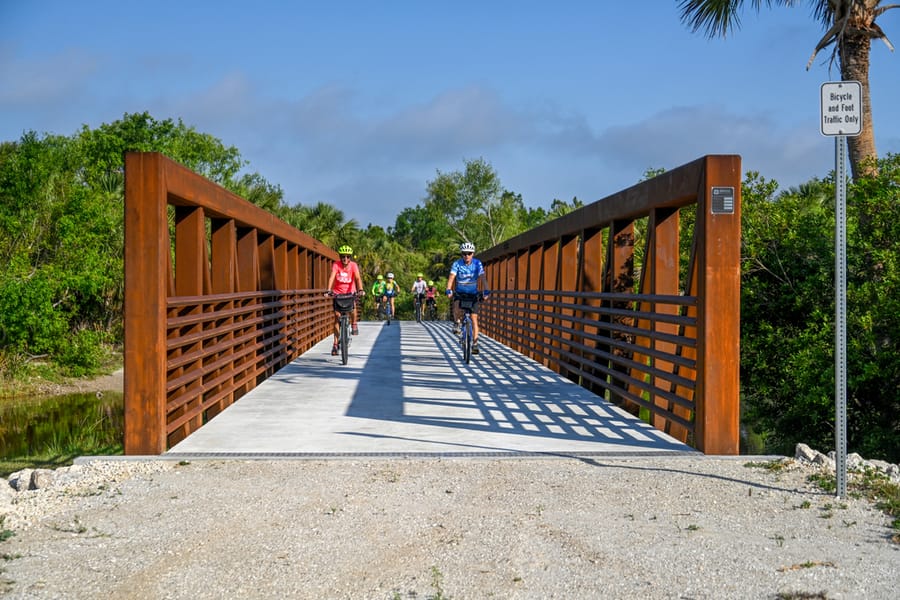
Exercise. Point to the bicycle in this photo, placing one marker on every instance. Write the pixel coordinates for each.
(345, 304)
(379, 308)
(431, 310)
(418, 308)
(466, 335)
(386, 308)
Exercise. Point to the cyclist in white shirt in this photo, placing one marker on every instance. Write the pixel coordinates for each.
(418, 289)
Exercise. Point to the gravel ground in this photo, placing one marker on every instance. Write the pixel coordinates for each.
(652, 527)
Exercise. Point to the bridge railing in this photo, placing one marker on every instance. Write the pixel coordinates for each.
(631, 321)
(213, 310)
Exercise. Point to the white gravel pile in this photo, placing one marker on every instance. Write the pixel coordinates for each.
(650, 527)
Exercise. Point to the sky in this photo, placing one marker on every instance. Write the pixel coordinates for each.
(361, 104)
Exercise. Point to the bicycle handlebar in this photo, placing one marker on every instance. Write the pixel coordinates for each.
(483, 295)
(331, 294)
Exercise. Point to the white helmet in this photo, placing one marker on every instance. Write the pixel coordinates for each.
(467, 247)
(390, 275)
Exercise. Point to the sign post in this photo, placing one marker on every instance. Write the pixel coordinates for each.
(841, 116)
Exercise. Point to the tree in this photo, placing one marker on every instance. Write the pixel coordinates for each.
(323, 222)
(202, 153)
(423, 228)
(62, 232)
(470, 202)
(787, 312)
(850, 26)
(254, 188)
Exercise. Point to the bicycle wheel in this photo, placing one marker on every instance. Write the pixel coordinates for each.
(387, 312)
(345, 339)
(418, 312)
(467, 339)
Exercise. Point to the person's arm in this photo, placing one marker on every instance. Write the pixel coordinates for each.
(485, 292)
(482, 277)
(359, 283)
(450, 281)
(331, 278)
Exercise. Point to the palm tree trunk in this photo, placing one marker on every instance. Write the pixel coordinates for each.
(855, 67)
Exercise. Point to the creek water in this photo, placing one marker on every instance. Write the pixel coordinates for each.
(61, 424)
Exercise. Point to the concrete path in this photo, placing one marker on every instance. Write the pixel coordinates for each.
(405, 391)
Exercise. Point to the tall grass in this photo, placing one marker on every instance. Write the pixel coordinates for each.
(52, 432)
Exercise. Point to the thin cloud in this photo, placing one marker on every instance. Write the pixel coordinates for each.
(45, 82)
(675, 136)
(453, 122)
(375, 199)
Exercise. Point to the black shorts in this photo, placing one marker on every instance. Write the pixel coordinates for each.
(464, 301)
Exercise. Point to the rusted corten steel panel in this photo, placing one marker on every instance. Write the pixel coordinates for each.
(532, 278)
(620, 280)
(523, 272)
(665, 280)
(204, 328)
(223, 266)
(591, 282)
(224, 257)
(146, 278)
(718, 416)
(623, 323)
(293, 268)
(569, 276)
(550, 278)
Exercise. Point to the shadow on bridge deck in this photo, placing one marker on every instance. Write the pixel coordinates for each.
(406, 392)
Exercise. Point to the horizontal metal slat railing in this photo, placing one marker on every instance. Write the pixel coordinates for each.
(653, 333)
(213, 310)
(235, 353)
(590, 357)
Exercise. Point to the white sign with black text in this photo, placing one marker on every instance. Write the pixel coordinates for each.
(841, 108)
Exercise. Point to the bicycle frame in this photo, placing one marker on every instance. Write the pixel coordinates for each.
(419, 300)
(467, 335)
(344, 330)
(345, 338)
(386, 306)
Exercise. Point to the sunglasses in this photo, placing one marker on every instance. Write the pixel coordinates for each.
(468, 253)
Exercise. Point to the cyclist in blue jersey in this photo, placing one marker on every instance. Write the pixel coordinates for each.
(465, 275)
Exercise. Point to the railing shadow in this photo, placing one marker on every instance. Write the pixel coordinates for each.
(500, 391)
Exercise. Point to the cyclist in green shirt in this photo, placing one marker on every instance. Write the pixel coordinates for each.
(378, 291)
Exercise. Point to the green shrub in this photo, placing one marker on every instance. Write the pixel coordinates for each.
(81, 353)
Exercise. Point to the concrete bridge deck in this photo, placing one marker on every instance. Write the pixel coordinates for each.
(406, 392)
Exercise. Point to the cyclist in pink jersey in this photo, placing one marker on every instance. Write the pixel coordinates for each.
(344, 279)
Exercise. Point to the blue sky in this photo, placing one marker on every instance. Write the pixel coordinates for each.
(360, 104)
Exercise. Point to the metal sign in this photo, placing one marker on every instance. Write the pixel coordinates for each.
(841, 104)
(722, 201)
(841, 116)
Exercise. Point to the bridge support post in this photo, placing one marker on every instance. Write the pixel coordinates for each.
(717, 418)
(146, 281)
